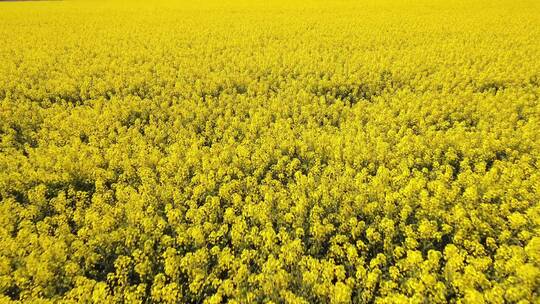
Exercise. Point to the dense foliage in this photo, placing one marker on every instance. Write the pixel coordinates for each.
(265, 151)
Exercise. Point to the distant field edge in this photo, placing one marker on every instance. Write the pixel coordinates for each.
(29, 0)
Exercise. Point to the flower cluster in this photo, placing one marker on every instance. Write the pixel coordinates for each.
(270, 152)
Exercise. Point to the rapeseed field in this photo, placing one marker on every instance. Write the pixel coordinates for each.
(272, 151)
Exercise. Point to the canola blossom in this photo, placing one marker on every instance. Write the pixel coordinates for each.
(270, 151)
